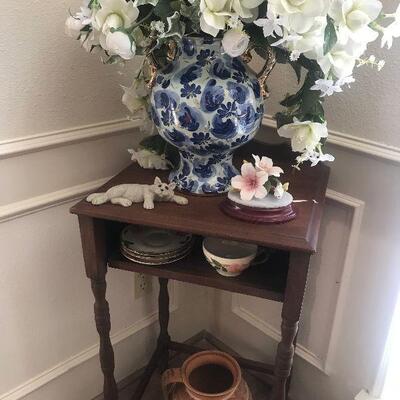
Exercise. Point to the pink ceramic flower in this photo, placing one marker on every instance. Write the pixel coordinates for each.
(267, 165)
(250, 183)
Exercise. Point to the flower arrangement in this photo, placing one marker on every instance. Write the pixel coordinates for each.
(322, 40)
(259, 180)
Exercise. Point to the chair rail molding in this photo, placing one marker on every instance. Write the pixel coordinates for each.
(53, 199)
(355, 143)
(324, 365)
(33, 143)
(76, 360)
(38, 142)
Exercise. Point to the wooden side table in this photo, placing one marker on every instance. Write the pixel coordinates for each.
(283, 278)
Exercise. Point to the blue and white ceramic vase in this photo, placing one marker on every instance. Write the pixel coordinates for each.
(207, 104)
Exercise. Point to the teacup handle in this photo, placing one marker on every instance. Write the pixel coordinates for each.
(170, 377)
(263, 75)
(261, 257)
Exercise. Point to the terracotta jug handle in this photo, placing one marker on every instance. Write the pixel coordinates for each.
(170, 377)
(263, 75)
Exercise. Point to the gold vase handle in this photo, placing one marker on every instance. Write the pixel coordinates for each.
(263, 75)
(154, 65)
(168, 380)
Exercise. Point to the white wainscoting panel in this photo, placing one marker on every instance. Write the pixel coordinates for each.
(330, 274)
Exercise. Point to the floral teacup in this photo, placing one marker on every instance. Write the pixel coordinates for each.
(229, 258)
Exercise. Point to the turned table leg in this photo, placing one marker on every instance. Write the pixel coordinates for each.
(163, 310)
(294, 294)
(103, 325)
(95, 256)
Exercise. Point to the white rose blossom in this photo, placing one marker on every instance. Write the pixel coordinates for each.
(115, 14)
(235, 42)
(304, 135)
(120, 44)
(214, 15)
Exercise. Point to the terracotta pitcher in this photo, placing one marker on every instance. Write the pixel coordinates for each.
(204, 376)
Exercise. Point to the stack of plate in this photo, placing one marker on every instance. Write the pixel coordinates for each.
(152, 246)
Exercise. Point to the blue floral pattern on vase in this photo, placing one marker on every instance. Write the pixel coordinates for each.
(206, 104)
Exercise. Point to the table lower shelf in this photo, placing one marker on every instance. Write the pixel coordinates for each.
(266, 281)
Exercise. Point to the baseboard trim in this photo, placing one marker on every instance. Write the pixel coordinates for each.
(350, 142)
(39, 203)
(273, 333)
(47, 140)
(62, 368)
(74, 361)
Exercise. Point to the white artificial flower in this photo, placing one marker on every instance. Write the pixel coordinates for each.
(304, 135)
(73, 27)
(286, 39)
(308, 35)
(326, 86)
(149, 159)
(235, 42)
(345, 81)
(338, 61)
(279, 190)
(75, 23)
(271, 25)
(120, 44)
(214, 15)
(306, 8)
(380, 65)
(391, 31)
(115, 14)
(314, 157)
(136, 96)
(353, 18)
(234, 22)
(244, 7)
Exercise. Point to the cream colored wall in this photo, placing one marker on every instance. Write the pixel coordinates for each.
(48, 82)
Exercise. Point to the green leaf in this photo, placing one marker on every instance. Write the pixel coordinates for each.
(297, 69)
(175, 26)
(154, 143)
(163, 9)
(330, 38)
(283, 119)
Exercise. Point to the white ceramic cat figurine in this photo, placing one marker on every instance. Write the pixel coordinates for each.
(126, 195)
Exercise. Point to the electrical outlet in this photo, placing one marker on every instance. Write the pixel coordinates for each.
(143, 285)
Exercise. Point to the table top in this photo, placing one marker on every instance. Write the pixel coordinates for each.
(202, 215)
